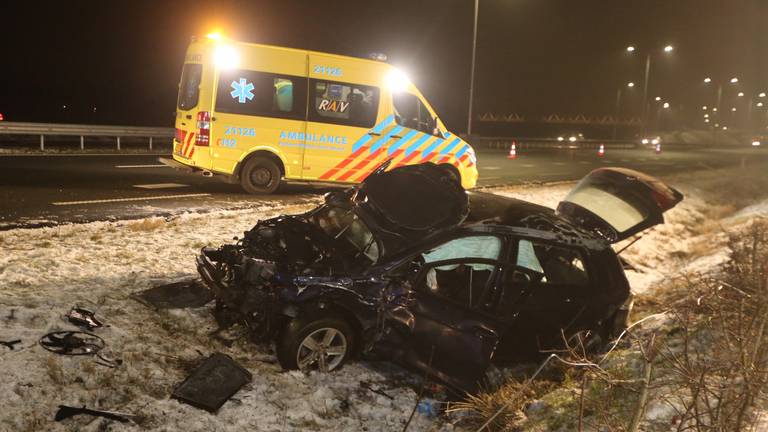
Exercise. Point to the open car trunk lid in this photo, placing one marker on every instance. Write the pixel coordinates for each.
(616, 203)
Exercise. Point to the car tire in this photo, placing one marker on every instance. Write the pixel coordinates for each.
(309, 344)
(260, 175)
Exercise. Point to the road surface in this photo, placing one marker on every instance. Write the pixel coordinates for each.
(40, 190)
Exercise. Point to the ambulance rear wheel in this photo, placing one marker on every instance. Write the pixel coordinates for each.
(260, 176)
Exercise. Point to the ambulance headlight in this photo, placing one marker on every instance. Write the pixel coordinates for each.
(225, 57)
(397, 81)
(472, 155)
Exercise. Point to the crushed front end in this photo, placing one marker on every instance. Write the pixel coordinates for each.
(252, 278)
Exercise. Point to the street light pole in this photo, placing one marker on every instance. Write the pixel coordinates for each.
(645, 91)
(719, 97)
(618, 111)
(472, 73)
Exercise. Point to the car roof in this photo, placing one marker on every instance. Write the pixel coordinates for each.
(515, 216)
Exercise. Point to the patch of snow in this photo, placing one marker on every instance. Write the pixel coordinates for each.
(45, 271)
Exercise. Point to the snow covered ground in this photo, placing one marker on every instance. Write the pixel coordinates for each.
(45, 271)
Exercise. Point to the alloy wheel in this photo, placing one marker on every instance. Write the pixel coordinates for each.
(324, 349)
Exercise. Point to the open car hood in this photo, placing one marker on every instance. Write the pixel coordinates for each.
(616, 203)
(413, 201)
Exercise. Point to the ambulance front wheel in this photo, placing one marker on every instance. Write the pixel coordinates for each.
(260, 176)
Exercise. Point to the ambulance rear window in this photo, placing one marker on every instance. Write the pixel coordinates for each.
(261, 94)
(189, 89)
(343, 103)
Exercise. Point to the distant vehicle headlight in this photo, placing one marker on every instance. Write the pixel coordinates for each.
(645, 141)
(755, 143)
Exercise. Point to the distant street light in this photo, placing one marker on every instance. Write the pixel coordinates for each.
(630, 84)
(666, 105)
(706, 115)
(706, 120)
(733, 80)
(733, 109)
(631, 49)
(741, 94)
(704, 107)
(658, 98)
(759, 104)
(572, 139)
(725, 127)
(714, 109)
(560, 138)
(761, 95)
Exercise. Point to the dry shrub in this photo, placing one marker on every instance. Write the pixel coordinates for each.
(719, 211)
(145, 225)
(511, 399)
(719, 355)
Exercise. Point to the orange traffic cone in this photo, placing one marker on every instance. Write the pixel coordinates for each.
(601, 150)
(512, 151)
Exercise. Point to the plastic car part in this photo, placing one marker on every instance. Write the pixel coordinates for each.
(216, 380)
(10, 344)
(72, 343)
(66, 412)
(83, 318)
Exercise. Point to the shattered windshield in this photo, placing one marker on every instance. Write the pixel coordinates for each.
(344, 225)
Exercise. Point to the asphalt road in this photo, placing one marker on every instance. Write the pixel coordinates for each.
(46, 190)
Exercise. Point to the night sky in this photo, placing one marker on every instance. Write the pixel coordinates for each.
(535, 57)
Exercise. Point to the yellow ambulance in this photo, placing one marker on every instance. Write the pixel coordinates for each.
(261, 114)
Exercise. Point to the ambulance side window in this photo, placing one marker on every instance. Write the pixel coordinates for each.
(410, 112)
(343, 103)
(261, 94)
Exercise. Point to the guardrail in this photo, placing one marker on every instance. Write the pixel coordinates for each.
(499, 143)
(52, 129)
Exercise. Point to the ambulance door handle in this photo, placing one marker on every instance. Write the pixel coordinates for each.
(395, 137)
(374, 134)
(189, 116)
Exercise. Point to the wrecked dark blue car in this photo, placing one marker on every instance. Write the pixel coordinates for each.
(411, 267)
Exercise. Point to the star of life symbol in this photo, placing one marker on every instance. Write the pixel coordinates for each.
(242, 90)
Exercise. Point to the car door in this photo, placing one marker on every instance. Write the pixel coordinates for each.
(345, 129)
(617, 203)
(451, 330)
(545, 293)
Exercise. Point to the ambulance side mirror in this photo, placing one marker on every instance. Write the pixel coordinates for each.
(435, 129)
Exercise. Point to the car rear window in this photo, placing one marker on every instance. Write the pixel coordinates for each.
(612, 206)
(343, 103)
(189, 88)
(261, 94)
